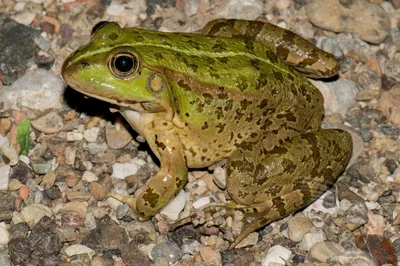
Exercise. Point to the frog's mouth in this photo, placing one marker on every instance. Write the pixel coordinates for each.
(115, 104)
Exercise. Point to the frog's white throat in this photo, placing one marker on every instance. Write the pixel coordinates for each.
(133, 117)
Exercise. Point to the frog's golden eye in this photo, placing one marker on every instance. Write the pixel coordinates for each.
(123, 65)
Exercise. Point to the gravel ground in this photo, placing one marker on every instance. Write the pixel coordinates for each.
(60, 154)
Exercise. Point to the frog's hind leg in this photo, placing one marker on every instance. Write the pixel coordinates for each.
(287, 178)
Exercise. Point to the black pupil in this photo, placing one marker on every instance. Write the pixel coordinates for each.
(124, 63)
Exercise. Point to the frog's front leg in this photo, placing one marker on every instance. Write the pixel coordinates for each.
(162, 187)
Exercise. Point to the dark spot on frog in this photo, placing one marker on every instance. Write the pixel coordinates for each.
(244, 104)
(262, 81)
(84, 64)
(260, 174)
(223, 60)
(239, 114)
(158, 55)
(138, 38)
(205, 126)
(282, 52)
(279, 150)
(241, 82)
(191, 150)
(228, 105)
(221, 93)
(249, 45)
(113, 36)
(159, 144)
(239, 136)
(249, 118)
(242, 166)
(187, 114)
(253, 135)
(246, 145)
(273, 191)
(218, 112)
(185, 86)
(279, 205)
(255, 63)
(268, 111)
(266, 124)
(263, 104)
(203, 158)
(221, 127)
(165, 124)
(179, 182)
(219, 46)
(232, 136)
(190, 65)
(194, 44)
(278, 76)
(210, 61)
(204, 150)
(288, 117)
(150, 198)
(271, 56)
(200, 107)
(207, 98)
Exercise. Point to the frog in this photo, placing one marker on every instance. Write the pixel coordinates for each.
(237, 92)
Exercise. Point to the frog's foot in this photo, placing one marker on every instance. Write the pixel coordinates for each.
(252, 218)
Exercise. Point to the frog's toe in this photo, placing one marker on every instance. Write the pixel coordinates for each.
(130, 201)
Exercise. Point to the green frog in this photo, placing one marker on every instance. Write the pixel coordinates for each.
(234, 91)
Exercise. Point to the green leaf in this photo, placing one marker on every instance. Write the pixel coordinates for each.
(23, 139)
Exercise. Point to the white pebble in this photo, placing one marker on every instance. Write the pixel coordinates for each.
(8, 151)
(79, 249)
(4, 234)
(115, 10)
(89, 177)
(276, 255)
(310, 239)
(201, 202)
(74, 136)
(91, 134)
(175, 206)
(122, 170)
(4, 176)
(113, 203)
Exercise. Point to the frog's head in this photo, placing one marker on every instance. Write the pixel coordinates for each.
(109, 68)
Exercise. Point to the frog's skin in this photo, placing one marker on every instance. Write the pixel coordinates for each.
(226, 92)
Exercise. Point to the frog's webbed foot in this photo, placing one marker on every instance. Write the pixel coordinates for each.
(218, 215)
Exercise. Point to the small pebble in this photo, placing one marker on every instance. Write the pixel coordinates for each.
(89, 177)
(298, 226)
(9, 154)
(201, 202)
(4, 234)
(323, 251)
(210, 255)
(24, 192)
(79, 249)
(4, 176)
(74, 136)
(276, 255)
(220, 177)
(175, 206)
(49, 123)
(122, 170)
(33, 213)
(91, 134)
(310, 239)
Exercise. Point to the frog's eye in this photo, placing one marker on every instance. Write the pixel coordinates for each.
(124, 65)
